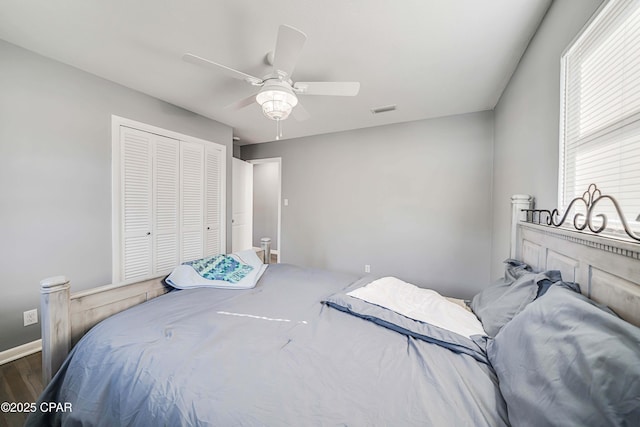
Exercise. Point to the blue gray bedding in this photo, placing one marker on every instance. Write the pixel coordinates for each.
(496, 305)
(272, 355)
(410, 327)
(565, 361)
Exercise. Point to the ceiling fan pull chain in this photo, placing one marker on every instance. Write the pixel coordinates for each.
(278, 129)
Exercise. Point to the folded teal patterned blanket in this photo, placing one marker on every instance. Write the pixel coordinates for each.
(220, 267)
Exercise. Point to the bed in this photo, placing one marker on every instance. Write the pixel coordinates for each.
(313, 347)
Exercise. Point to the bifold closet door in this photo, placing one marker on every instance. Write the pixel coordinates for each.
(169, 201)
(214, 193)
(136, 160)
(150, 181)
(166, 204)
(192, 200)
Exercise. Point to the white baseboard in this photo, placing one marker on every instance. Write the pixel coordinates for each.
(20, 351)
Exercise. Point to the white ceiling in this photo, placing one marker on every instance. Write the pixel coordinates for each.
(431, 58)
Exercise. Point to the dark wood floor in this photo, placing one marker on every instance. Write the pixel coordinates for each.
(20, 381)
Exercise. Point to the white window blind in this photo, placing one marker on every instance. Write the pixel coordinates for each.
(600, 135)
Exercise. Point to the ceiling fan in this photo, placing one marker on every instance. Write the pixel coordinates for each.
(279, 94)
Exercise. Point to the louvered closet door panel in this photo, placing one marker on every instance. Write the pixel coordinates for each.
(213, 200)
(136, 183)
(192, 200)
(166, 204)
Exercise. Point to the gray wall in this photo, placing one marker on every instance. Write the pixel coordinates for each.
(412, 200)
(265, 203)
(527, 121)
(55, 180)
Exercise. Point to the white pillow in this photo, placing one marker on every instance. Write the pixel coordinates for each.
(424, 305)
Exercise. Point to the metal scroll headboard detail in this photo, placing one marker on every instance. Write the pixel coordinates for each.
(590, 199)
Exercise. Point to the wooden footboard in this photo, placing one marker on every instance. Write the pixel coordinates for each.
(67, 317)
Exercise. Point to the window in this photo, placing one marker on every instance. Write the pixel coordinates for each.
(600, 115)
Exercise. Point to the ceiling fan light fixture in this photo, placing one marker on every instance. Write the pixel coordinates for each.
(278, 95)
(276, 102)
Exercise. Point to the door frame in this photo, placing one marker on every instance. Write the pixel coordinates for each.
(277, 160)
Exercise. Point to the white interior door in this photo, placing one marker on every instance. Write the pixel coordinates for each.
(242, 200)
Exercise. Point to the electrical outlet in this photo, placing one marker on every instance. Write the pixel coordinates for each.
(30, 317)
(367, 268)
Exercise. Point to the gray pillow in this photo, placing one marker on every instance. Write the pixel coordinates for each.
(513, 269)
(565, 361)
(498, 304)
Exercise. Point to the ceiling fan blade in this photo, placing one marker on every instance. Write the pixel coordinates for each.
(197, 60)
(327, 88)
(245, 102)
(300, 113)
(288, 47)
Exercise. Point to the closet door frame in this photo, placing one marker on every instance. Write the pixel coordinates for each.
(116, 202)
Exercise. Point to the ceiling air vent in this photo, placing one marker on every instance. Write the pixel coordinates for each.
(383, 109)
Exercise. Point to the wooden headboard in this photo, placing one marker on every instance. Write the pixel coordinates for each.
(607, 269)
